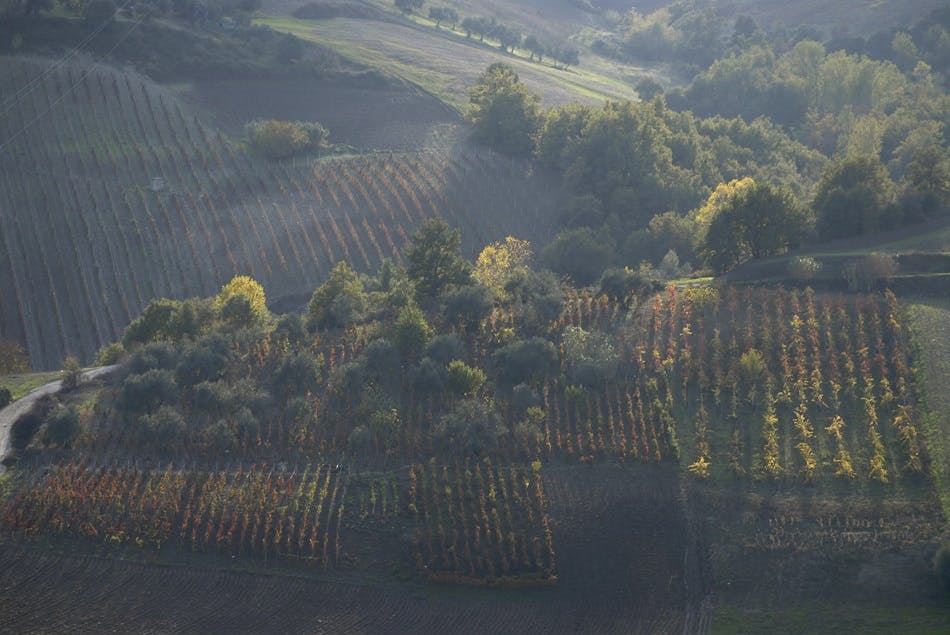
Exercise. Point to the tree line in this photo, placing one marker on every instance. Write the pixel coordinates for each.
(727, 170)
(508, 37)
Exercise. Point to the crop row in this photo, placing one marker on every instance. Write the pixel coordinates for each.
(89, 242)
(254, 513)
(478, 524)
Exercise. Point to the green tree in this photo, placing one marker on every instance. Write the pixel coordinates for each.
(250, 290)
(853, 197)
(412, 332)
(472, 427)
(62, 426)
(13, 358)
(340, 300)
(755, 222)
(407, 6)
(435, 258)
(71, 373)
(464, 379)
(535, 47)
(577, 253)
(443, 14)
(504, 111)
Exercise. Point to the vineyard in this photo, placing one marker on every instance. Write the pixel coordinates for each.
(89, 237)
(245, 514)
(480, 524)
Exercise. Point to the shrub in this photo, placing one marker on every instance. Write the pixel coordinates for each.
(145, 392)
(163, 428)
(519, 361)
(61, 427)
(110, 354)
(24, 429)
(281, 139)
(5, 397)
(472, 427)
(803, 267)
(869, 271)
(71, 374)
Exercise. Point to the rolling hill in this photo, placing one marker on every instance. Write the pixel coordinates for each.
(90, 236)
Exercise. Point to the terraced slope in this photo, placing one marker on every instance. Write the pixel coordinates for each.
(87, 241)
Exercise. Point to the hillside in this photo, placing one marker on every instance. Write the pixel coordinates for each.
(718, 442)
(89, 243)
(446, 63)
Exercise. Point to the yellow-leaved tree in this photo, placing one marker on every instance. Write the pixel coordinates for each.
(247, 288)
(499, 261)
(719, 198)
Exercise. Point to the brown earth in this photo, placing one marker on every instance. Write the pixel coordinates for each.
(619, 536)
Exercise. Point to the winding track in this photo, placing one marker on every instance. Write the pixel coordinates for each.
(16, 409)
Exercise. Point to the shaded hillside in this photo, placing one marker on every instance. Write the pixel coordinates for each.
(88, 242)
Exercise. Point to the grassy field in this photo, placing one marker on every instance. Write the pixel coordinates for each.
(823, 618)
(930, 319)
(20, 385)
(445, 63)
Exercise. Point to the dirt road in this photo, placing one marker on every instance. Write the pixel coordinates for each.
(13, 412)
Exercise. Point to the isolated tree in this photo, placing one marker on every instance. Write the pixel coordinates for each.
(71, 374)
(407, 6)
(504, 111)
(434, 258)
(854, 196)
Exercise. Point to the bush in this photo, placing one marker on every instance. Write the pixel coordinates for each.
(24, 429)
(145, 392)
(519, 361)
(71, 374)
(110, 354)
(472, 427)
(61, 427)
(867, 272)
(282, 139)
(163, 428)
(803, 267)
(5, 397)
